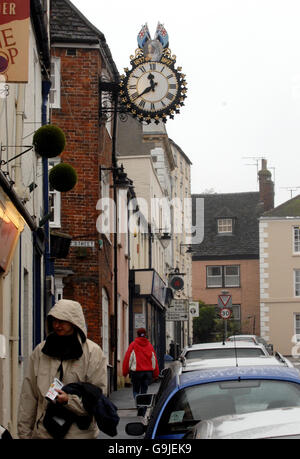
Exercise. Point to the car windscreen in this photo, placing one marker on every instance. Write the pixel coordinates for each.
(224, 353)
(205, 401)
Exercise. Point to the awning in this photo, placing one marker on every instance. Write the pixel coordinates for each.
(11, 225)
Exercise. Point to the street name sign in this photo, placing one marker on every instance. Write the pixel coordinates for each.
(178, 310)
(176, 316)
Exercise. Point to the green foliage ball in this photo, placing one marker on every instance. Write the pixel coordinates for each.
(49, 141)
(63, 177)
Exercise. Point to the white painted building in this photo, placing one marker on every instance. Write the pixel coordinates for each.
(279, 243)
(22, 264)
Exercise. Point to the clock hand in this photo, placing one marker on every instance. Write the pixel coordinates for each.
(153, 84)
(144, 92)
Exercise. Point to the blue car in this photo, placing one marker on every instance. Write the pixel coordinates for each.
(185, 399)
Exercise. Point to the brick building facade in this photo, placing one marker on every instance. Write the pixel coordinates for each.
(80, 58)
(228, 257)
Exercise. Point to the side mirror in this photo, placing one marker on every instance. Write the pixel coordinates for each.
(163, 372)
(135, 429)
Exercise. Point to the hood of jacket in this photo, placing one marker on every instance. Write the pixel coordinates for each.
(141, 341)
(70, 311)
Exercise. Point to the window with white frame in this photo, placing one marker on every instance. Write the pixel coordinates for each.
(55, 83)
(297, 326)
(214, 276)
(54, 201)
(107, 216)
(297, 282)
(296, 239)
(223, 276)
(225, 225)
(231, 276)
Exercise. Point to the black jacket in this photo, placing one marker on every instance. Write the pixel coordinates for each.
(95, 404)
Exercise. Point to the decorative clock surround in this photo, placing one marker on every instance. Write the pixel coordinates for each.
(153, 88)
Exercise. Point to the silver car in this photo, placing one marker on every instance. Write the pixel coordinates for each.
(208, 355)
(253, 338)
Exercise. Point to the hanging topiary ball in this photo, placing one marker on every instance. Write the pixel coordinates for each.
(49, 141)
(63, 177)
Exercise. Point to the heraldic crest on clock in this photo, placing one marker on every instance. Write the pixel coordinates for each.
(153, 88)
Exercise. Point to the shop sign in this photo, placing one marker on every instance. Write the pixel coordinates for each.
(14, 40)
(159, 289)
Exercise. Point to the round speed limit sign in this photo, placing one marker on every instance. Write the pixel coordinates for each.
(225, 313)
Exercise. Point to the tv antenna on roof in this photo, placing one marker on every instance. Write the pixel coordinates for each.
(257, 160)
(291, 189)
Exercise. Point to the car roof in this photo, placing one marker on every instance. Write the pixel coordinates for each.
(245, 336)
(238, 372)
(197, 364)
(222, 344)
(175, 380)
(261, 424)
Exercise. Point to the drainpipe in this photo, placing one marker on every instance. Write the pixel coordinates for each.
(49, 265)
(115, 247)
(16, 280)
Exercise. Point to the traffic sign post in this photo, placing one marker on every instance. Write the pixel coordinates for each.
(225, 305)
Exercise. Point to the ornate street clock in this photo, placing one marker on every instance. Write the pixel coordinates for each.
(153, 88)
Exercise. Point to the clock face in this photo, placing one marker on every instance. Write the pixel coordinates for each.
(153, 89)
(152, 86)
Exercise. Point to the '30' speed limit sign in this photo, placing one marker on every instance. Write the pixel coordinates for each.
(225, 313)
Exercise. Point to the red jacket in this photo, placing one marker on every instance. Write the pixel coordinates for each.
(140, 356)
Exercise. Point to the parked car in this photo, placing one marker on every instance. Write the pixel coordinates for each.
(282, 423)
(226, 349)
(185, 399)
(266, 360)
(253, 338)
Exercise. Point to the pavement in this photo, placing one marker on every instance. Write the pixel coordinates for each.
(127, 411)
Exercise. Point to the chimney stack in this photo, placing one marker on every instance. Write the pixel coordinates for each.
(266, 187)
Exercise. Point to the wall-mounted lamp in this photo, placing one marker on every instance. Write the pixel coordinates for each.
(164, 238)
(189, 247)
(32, 187)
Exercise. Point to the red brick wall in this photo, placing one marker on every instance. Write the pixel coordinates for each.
(248, 295)
(88, 146)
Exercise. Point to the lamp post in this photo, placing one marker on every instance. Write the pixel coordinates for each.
(120, 180)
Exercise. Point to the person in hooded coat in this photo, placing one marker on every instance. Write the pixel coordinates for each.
(68, 355)
(141, 363)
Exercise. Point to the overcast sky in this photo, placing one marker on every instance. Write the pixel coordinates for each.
(242, 64)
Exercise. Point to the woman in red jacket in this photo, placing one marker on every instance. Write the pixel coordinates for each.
(140, 362)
